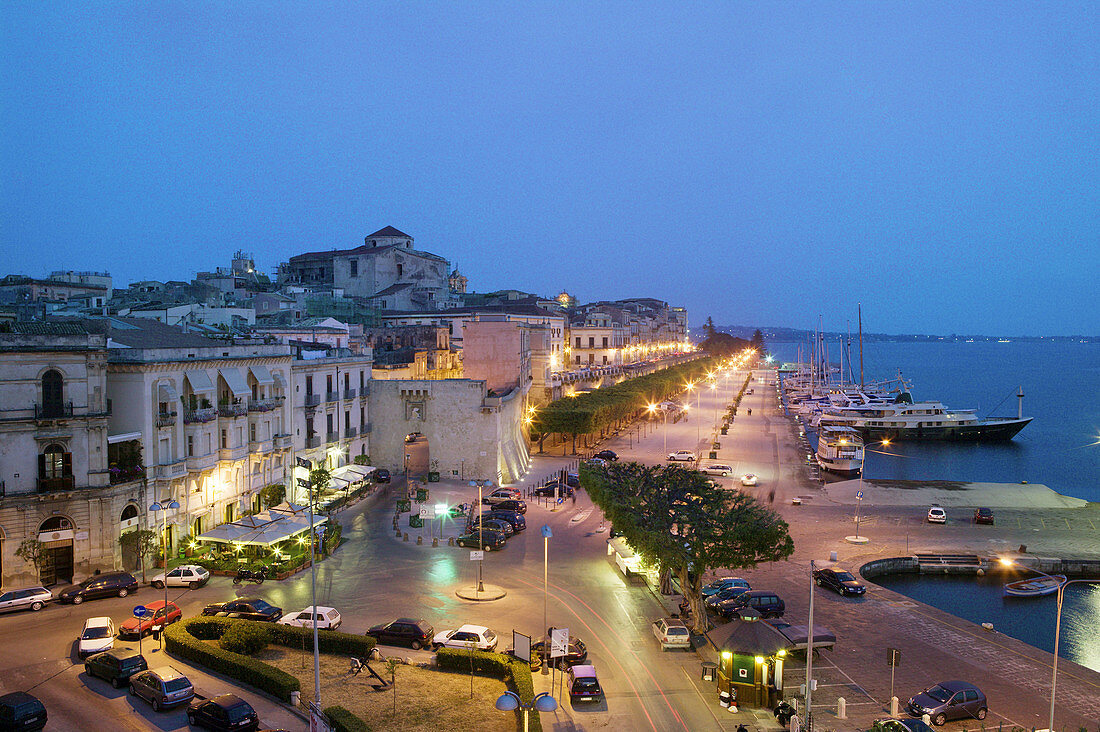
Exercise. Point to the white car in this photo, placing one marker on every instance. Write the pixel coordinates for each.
(328, 618)
(686, 455)
(185, 575)
(748, 479)
(481, 637)
(98, 635)
(717, 469)
(937, 515)
(671, 633)
(502, 494)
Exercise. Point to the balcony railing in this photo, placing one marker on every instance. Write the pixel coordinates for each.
(259, 446)
(364, 429)
(125, 475)
(192, 416)
(314, 441)
(53, 410)
(349, 393)
(198, 463)
(59, 483)
(312, 400)
(232, 410)
(281, 442)
(332, 396)
(166, 419)
(233, 453)
(332, 437)
(176, 469)
(349, 432)
(264, 405)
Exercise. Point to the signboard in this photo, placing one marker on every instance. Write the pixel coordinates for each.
(140, 611)
(546, 532)
(303, 483)
(893, 657)
(521, 645)
(318, 722)
(476, 556)
(859, 495)
(427, 512)
(303, 463)
(559, 642)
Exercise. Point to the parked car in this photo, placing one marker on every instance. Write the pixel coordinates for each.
(328, 618)
(766, 603)
(22, 711)
(840, 581)
(416, 634)
(514, 504)
(717, 469)
(606, 455)
(576, 652)
(185, 575)
(892, 724)
(748, 479)
(724, 583)
(597, 462)
(28, 598)
(247, 608)
(162, 687)
(111, 584)
(486, 539)
(412, 437)
(116, 665)
(381, 475)
(584, 686)
(157, 618)
(983, 515)
(949, 700)
(481, 637)
(514, 518)
(498, 525)
(735, 590)
(98, 634)
(501, 494)
(554, 488)
(685, 455)
(573, 480)
(227, 712)
(671, 633)
(937, 515)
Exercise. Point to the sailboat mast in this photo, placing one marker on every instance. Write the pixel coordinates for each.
(859, 307)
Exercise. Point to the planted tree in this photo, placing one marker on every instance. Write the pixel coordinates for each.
(141, 543)
(34, 552)
(273, 495)
(320, 478)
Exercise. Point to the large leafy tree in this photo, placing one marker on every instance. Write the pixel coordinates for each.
(678, 519)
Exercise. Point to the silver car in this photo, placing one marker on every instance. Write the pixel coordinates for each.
(949, 700)
(162, 687)
(29, 598)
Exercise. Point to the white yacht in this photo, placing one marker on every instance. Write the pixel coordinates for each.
(840, 449)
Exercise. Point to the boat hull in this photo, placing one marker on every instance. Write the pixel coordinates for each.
(1035, 587)
(992, 431)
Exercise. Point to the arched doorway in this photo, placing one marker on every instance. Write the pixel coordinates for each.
(56, 535)
(128, 522)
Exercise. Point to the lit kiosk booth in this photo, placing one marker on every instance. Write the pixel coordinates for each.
(750, 662)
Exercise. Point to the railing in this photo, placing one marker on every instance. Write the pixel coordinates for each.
(198, 463)
(125, 475)
(53, 410)
(364, 429)
(263, 405)
(60, 483)
(349, 432)
(312, 400)
(349, 393)
(332, 396)
(281, 441)
(232, 410)
(166, 419)
(168, 471)
(314, 441)
(332, 437)
(260, 446)
(207, 414)
(233, 453)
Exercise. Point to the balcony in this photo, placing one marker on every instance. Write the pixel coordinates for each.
(349, 393)
(193, 416)
(264, 405)
(168, 471)
(233, 453)
(313, 441)
(364, 429)
(230, 411)
(332, 437)
(198, 463)
(281, 442)
(53, 410)
(332, 396)
(59, 483)
(312, 400)
(126, 474)
(166, 419)
(258, 447)
(349, 432)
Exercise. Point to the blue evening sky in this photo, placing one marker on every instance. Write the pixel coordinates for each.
(760, 163)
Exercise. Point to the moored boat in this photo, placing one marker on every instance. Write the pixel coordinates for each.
(840, 449)
(1035, 586)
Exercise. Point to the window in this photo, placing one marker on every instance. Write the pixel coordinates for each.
(251, 431)
(54, 462)
(605, 359)
(362, 380)
(53, 394)
(190, 446)
(328, 422)
(578, 359)
(309, 384)
(328, 383)
(578, 341)
(225, 438)
(591, 342)
(354, 267)
(605, 341)
(400, 269)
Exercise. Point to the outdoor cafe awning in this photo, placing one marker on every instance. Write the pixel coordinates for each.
(263, 529)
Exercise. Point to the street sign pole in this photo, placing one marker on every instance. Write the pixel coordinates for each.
(893, 658)
(303, 463)
(859, 502)
(140, 612)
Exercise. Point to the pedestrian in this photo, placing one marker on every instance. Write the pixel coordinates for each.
(771, 496)
(573, 495)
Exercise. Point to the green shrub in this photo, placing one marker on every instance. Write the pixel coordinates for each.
(516, 674)
(344, 721)
(246, 637)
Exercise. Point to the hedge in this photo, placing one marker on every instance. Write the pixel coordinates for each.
(185, 638)
(344, 721)
(515, 672)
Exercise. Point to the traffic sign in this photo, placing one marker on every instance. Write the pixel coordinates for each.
(140, 611)
(476, 555)
(859, 495)
(559, 642)
(427, 512)
(546, 532)
(303, 463)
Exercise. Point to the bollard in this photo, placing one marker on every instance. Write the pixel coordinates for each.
(295, 698)
(435, 541)
(450, 541)
(893, 706)
(398, 533)
(832, 556)
(419, 540)
(405, 536)
(841, 708)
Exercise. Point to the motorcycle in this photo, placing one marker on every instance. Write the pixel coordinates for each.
(248, 575)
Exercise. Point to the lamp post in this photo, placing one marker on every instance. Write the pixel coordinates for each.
(810, 653)
(509, 701)
(308, 485)
(156, 508)
(480, 538)
(546, 535)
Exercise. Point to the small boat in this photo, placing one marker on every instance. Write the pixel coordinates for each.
(1036, 586)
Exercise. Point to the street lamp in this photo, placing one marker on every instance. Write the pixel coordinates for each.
(509, 702)
(156, 508)
(808, 724)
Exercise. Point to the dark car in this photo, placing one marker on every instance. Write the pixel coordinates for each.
(512, 517)
(949, 700)
(116, 665)
(573, 480)
(415, 634)
(766, 603)
(381, 475)
(729, 593)
(512, 504)
(227, 712)
(112, 584)
(162, 687)
(606, 455)
(893, 724)
(983, 515)
(488, 540)
(19, 710)
(576, 652)
(583, 684)
(247, 608)
(493, 524)
(839, 581)
(556, 488)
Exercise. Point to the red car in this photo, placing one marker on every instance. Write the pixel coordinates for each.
(154, 619)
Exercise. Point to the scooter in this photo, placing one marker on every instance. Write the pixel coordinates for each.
(248, 575)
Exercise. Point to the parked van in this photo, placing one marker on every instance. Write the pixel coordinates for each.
(583, 684)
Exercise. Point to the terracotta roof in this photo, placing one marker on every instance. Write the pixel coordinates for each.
(388, 231)
(38, 327)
